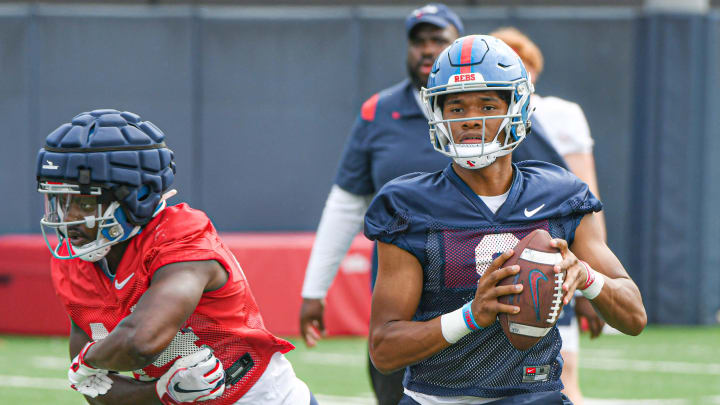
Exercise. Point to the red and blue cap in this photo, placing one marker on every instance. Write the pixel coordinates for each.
(436, 14)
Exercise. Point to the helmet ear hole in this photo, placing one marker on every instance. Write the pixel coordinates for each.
(143, 193)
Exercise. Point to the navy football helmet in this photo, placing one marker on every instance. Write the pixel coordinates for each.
(479, 63)
(108, 168)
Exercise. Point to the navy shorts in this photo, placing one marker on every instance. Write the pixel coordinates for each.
(535, 398)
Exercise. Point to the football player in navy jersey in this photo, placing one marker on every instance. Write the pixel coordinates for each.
(443, 238)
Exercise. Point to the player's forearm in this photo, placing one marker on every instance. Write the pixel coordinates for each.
(126, 390)
(620, 304)
(125, 349)
(398, 344)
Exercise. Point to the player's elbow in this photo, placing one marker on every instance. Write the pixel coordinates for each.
(142, 348)
(638, 323)
(382, 356)
(147, 347)
(383, 363)
(633, 322)
(144, 352)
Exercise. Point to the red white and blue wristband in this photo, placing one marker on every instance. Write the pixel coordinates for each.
(456, 324)
(594, 282)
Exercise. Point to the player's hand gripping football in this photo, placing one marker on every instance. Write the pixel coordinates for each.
(193, 378)
(575, 275)
(86, 379)
(485, 306)
(312, 327)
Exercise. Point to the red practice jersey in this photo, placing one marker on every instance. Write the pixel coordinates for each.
(227, 319)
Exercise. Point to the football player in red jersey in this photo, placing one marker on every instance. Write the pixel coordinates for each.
(149, 288)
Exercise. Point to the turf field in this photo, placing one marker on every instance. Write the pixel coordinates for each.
(665, 365)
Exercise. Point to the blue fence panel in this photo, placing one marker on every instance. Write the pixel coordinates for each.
(127, 58)
(17, 149)
(277, 104)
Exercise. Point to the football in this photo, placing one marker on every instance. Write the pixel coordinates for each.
(540, 301)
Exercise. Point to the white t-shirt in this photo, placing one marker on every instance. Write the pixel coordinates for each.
(564, 123)
(494, 202)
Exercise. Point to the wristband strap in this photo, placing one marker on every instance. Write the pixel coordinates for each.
(81, 357)
(469, 318)
(456, 324)
(594, 284)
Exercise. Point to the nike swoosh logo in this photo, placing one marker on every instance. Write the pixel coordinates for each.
(535, 276)
(120, 286)
(533, 212)
(178, 389)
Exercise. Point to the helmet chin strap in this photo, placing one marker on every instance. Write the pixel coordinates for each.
(475, 162)
(95, 255)
(481, 161)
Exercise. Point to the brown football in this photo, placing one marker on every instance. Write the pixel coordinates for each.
(540, 301)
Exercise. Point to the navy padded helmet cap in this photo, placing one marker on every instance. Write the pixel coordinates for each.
(116, 151)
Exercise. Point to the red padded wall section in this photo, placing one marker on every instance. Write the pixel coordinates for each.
(273, 263)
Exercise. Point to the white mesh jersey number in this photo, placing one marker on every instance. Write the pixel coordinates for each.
(491, 245)
(183, 344)
(98, 331)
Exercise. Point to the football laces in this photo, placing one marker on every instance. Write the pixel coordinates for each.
(557, 297)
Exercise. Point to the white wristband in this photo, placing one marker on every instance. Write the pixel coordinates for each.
(453, 326)
(594, 284)
(458, 323)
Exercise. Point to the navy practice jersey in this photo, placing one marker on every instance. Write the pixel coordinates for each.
(454, 236)
(390, 138)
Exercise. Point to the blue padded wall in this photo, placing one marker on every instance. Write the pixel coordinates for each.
(674, 168)
(277, 102)
(18, 146)
(257, 103)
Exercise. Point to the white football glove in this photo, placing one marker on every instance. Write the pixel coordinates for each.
(193, 378)
(86, 379)
(98, 384)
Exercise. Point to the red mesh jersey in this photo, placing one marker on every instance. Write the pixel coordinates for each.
(227, 320)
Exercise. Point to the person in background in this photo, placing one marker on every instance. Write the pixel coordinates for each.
(567, 130)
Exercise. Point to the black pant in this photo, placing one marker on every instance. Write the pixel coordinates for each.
(388, 388)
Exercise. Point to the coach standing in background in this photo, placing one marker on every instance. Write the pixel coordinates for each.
(389, 139)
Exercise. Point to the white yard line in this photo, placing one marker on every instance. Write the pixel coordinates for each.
(589, 401)
(338, 400)
(672, 367)
(50, 362)
(333, 359)
(21, 381)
